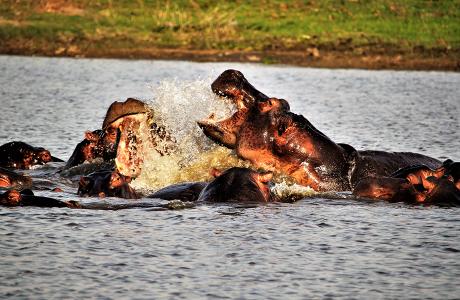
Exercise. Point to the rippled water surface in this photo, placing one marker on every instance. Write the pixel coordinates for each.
(314, 248)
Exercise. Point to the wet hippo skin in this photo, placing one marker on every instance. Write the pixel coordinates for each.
(238, 185)
(20, 155)
(265, 132)
(26, 197)
(186, 191)
(416, 184)
(10, 179)
(106, 183)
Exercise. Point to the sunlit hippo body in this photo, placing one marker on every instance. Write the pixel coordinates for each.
(10, 179)
(13, 198)
(106, 183)
(265, 132)
(20, 155)
(238, 185)
(415, 184)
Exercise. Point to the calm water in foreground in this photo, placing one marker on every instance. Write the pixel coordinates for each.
(314, 248)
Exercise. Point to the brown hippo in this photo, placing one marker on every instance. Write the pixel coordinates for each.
(10, 179)
(27, 198)
(126, 118)
(20, 155)
(97, 144)
(106, 183)
(232, 185)
(238, 185)
(415, 184)
(121, 138)
(265, 132)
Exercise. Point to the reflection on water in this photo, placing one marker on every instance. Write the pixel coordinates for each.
(314, 248)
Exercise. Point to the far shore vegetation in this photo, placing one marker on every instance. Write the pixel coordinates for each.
(265, 31)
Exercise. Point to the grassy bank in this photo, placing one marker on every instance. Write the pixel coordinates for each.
(299, 32)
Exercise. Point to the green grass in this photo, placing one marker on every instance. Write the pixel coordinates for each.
(233, 25)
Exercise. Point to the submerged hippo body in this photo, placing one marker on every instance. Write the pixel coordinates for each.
(187, 191)
(13, 198)
(415, 184)
(106, 183)
(20, 155)
(10, 179)
(265, 132)
(238, 185)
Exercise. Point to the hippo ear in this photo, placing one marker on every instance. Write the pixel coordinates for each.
(265, 106)
(429, 182)
(91, 136)
(215, 173)
(264, 177)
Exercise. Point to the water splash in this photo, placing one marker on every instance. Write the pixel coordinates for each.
(289, 192)
(177, 105)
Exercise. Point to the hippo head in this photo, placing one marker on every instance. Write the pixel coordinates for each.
(97, 183)
(10, 179)
(10, 198)
(35, 156)
(442, 191)
(386, 188)
(106, 183)
(250, 108)
(238, 185)
(257, 123)
(267, 134)
(232, 85)
(121, 132)
(42, 156)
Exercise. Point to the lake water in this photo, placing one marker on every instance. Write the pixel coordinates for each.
(314, 248)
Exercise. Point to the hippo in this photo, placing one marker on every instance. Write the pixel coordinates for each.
(416, 184)
(27, 198)
(97, 144)
(103, 143)
(121, 139)
(10, 179)
(233, 185)
(20, 155)
(106, 183)
(238, 185)
(266, 133)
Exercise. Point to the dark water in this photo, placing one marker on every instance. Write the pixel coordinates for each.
(314, 248)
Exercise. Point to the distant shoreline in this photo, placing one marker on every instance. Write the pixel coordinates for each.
(384, 34)
(311, 57)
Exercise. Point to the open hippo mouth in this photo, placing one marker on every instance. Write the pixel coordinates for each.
(232, 85)
(126, 119)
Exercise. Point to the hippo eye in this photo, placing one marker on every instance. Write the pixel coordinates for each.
(282, 128)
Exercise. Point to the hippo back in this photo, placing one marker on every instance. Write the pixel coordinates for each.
(381, 163)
